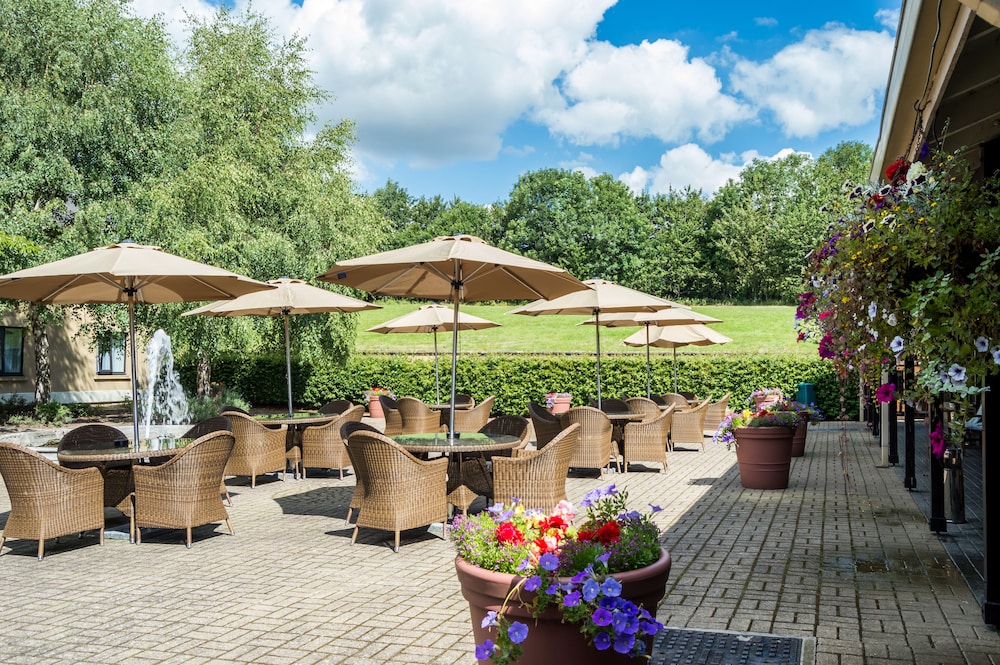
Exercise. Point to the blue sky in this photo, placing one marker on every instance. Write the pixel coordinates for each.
(459, 97)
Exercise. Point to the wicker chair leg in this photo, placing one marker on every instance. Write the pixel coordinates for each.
(188, 542)
(100, 536)
(354, 536)
(230, 525)
(41, 548)
(396, 548)
(253, 480)
(3, 539)
(341, 473)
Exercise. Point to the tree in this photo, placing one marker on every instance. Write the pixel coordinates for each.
(678, 261)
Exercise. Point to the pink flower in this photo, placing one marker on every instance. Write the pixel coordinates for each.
(937, 441)
(885, 392)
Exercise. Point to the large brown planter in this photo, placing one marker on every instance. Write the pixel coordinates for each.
(799, 439)
(764, 455)
(551, 641)
(561, 405)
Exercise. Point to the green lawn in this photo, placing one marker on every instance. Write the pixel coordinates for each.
(764, 329)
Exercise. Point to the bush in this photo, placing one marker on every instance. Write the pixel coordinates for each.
(200, 408)
(517, 379)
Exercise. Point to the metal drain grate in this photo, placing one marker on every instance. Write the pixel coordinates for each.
(681, 646)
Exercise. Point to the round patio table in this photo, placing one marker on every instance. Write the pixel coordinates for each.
(149, 449)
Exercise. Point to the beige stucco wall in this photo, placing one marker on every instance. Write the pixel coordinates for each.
(72, 367)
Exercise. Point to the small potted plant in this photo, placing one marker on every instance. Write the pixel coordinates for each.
(807, 413)
(542, 590)
(763, 442)
(765, 396)
(558, 402)
(371, 399)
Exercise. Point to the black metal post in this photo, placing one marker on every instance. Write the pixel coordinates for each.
(991, 502)
(893, 430)
(938, 521)
(909, 434)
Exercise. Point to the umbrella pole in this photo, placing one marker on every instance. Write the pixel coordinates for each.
(456, 287)
(675, 369)
(437, 373)
(135, 377)
(597, 329)
(288, 364)
(649, 390)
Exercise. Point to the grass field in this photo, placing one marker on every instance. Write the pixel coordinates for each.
(763, 329)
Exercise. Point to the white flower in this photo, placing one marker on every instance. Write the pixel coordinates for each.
(982, 344)
(891, 319)
(896, 344)
(872, 310)
(916, 170)
(957, 374)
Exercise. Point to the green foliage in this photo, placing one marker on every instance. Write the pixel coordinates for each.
(200, 408)
(53, 413)
(517, 379)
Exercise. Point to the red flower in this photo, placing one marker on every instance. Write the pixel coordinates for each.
(825, 315)
(896, 172)
(554, 522)
(507, 533)
(608, 534)
(585, 535)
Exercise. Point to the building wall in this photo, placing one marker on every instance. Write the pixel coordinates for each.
(72, 367)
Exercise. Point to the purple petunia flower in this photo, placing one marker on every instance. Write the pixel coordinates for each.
(489, 620)
(602, 641)
(995, 351)
(957, 374)
(571, 599)
(591, 589)
(624, 643)
(611, 587)
(532, 583)
(601, 617)
(517, 632)
(896, 345)
(485, 650)
(872, 310)
(603, 558)
(982, 344)
(549, 561)
(654, 508)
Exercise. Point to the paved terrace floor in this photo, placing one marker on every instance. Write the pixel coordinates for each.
(844, 555)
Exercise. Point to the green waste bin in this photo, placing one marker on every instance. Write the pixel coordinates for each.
(807, 393)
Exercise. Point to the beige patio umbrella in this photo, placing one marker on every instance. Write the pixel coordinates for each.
(673, 337)
(675, 316)
(603, 297)
(458, 268)
(430, 319)
(290, 296)
(125, 273)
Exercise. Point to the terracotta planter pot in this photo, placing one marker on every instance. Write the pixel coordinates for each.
(561, 405)
(551, 641)
(799, 440)
(764, 455)
(759, 400)
(375, 409)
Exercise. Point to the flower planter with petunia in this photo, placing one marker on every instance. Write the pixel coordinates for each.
(763, 442)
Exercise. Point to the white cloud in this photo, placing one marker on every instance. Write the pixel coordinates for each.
(645, 90)
(690, 166)
(832, 79)
(888, 18)
(766, 21)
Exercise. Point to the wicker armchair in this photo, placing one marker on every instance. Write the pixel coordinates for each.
(546, 425)
(337, 407)
(611, 405)
(595, 449)
(678, 400)
(476, 473)
(470, 420)
(258, 449)
(659, 400)
(346, 430)
(207, 426)
(688, 426)
(393, 420)
(230, 408)
(647, 407)
(322, 446)
(647, 440)
(117, 475)
(417, 417)
(715, 414)
(48, 500)
(183, 492)
(399, 491)
(463, 401)
(536, 477)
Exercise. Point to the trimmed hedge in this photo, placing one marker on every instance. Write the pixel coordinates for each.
(517, 379)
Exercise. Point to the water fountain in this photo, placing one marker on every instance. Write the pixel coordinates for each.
(165, 401)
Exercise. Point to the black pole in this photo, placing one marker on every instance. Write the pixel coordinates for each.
(893, 430)
(991, 503)
(909, 433)
(938, 521)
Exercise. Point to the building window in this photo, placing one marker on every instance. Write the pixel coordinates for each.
(11, 350)
(111, 356)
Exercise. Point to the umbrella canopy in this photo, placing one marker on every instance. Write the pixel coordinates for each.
(125, 273)
(458, 268)
(290, 296)
(430, 319)
(675, 316)
(672, 337)
(602, 297)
